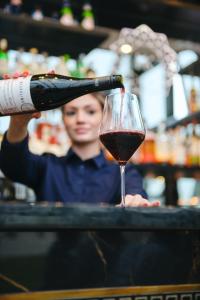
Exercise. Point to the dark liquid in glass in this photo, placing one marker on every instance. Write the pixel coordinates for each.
(122, 144)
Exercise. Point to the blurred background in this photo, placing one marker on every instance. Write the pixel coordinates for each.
(154, 44)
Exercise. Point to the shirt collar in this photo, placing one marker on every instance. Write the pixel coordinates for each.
(98, 160)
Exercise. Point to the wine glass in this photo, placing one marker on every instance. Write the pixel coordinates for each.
(122, 130)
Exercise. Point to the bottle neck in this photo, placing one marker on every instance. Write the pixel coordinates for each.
(109, 82)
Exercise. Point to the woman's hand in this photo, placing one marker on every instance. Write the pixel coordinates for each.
(16, 75)
(18, 124)
(17, 129)
(23, 74)
(138, 201)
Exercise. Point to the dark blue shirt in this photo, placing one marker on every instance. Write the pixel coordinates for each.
(67, 178)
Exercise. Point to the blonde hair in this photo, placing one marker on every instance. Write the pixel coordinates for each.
(97, 95)
(99, 98)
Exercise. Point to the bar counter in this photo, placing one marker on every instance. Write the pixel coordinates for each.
(52, 247)
(47, 217)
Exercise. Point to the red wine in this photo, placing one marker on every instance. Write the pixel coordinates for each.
(122, 144)
(48, 91)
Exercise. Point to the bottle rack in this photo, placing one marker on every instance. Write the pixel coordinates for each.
(191, 118)
(172, 172)
(49, 35)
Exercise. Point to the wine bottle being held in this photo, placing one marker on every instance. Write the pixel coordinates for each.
(48, 91)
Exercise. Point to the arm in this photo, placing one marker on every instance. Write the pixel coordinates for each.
(17, 130)
(16, 161)
(14, 155)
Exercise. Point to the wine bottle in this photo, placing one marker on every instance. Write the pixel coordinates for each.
(88, 17)
(48, 91)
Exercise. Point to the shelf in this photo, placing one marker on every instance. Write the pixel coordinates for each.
(191, 118)
(165, 168)
(170, 173)
(193, 69)
(49, 35)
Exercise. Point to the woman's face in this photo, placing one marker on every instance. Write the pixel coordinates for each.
(82, 118)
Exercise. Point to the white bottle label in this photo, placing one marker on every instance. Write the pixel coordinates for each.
(15, 95)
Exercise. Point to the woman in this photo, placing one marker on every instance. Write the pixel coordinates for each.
(83, 175)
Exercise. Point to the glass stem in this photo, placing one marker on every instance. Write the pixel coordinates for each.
(122, 172)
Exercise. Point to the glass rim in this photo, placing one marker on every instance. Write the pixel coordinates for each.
(118, 93)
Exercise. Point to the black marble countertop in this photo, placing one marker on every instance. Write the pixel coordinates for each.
(50, 217)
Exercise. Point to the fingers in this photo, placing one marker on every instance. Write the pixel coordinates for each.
(36, 115)
(155, 203)
(16, 75)
(28, 117)
(138, 201)
(25, 74)
(51, 72)
(6, 76)
(23, 120)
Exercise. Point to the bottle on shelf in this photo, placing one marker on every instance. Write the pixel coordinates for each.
(195, 150)
(20, 65)
(7, 189)
(189, 130)
(146, 153)
(67, 18)
(20, 192)
(177, 146)
(34, 66)
(14, 7)
(193, 103)
(61, 67)
(197, 129)
(162, 145)
(3, 56)
(43, 92)
(88, 22)
(80, 68)
(43, 63)
(37, 14)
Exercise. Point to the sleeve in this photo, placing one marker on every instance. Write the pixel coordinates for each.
(134, 181)
(19, 164)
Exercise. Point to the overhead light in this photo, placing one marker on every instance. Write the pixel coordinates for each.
(126, 48)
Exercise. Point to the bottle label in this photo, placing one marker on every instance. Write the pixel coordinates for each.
(15, 95)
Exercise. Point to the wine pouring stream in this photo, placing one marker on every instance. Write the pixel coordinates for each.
(122, 130)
